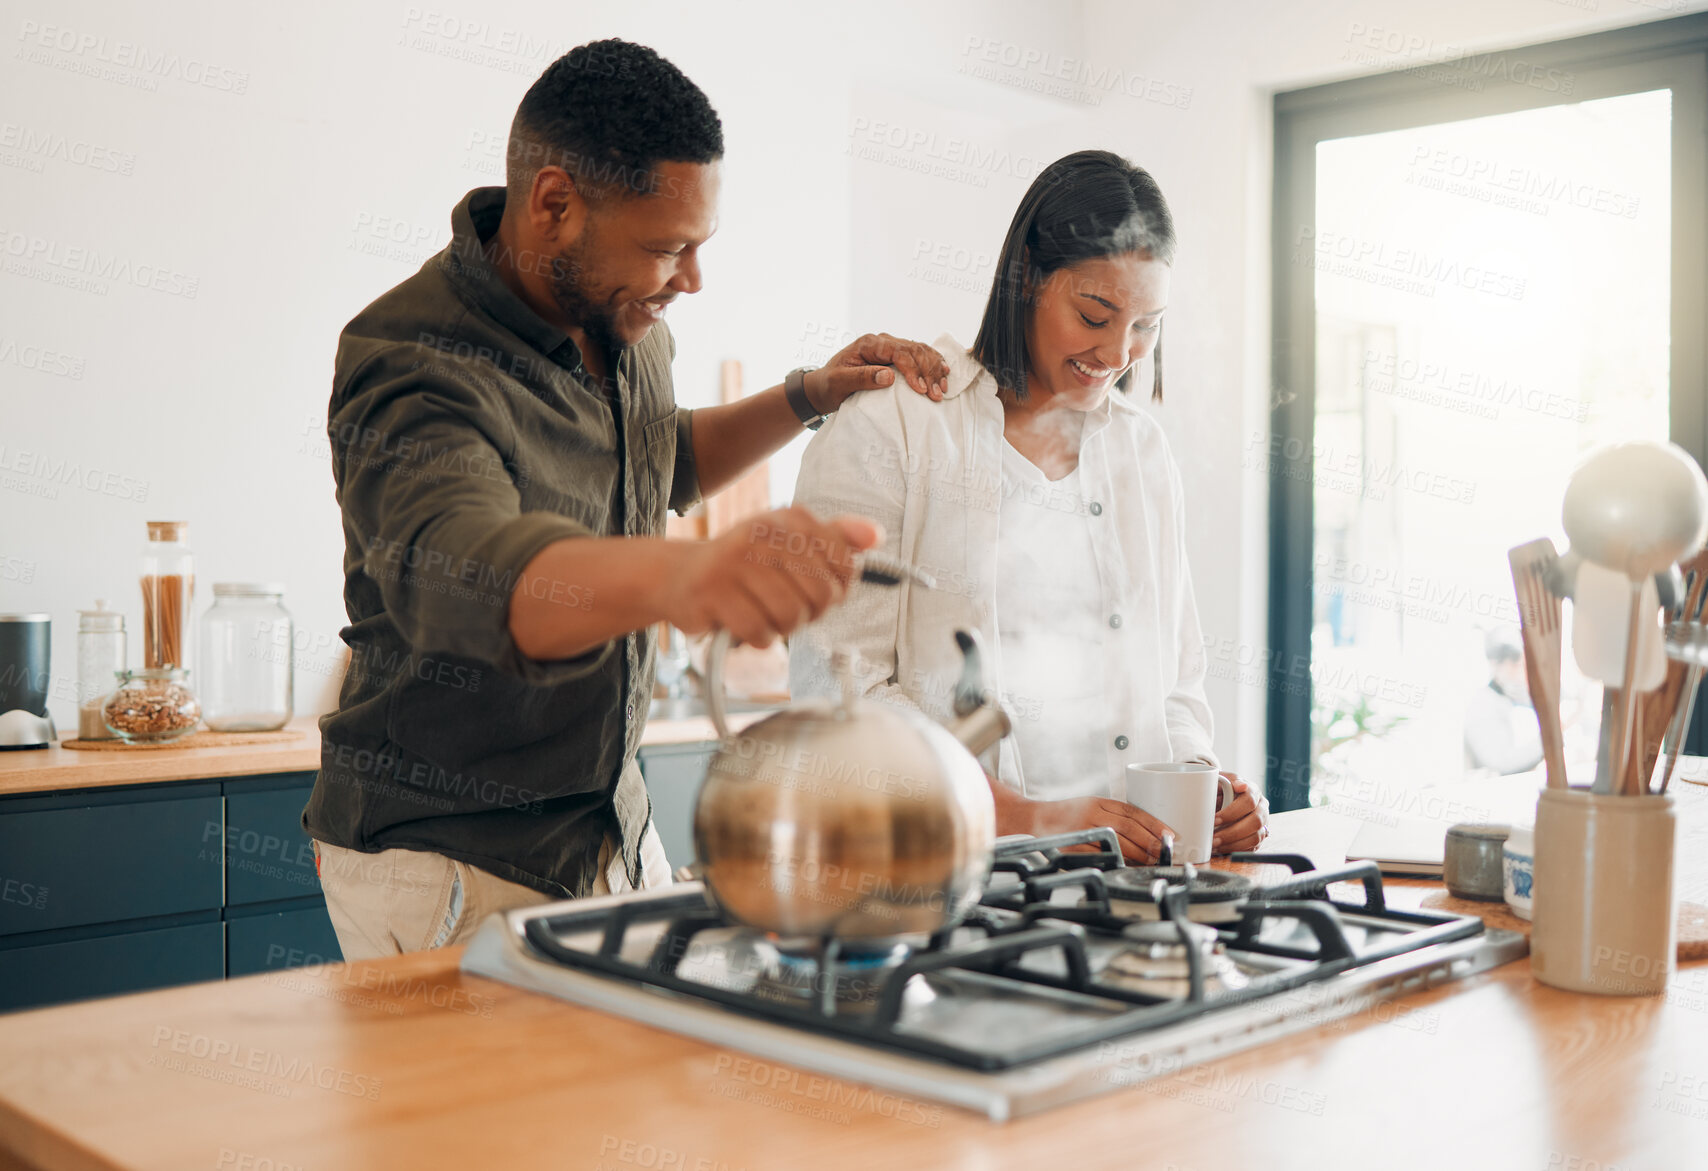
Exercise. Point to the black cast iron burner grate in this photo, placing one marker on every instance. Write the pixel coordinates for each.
(1022, 939)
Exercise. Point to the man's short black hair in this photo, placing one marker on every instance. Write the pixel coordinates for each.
(608, 112)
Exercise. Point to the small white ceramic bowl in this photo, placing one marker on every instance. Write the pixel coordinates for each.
(1518, 868)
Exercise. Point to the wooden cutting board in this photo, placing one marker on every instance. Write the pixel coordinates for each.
(1692, 920)
(751, 493)
(202, 739)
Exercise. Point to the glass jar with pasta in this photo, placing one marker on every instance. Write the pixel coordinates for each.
(168, 586)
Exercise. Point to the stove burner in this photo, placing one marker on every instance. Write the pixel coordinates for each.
(851, 979)
(1157, 936)
(1158, 965)
(1215, 896)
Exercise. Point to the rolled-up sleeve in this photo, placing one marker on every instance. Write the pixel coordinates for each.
(426, 475)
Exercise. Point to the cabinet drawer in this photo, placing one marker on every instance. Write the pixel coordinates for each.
(267, 854)
(108, 965)
(673, 775)
(281, 939)
(108, 862)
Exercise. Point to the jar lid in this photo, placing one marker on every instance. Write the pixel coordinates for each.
(1474, 831)
(25, 617)
(100, 619)
(168, 530)
(175, 674)
(248, 589)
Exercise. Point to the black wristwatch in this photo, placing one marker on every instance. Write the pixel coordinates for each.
(795, 390)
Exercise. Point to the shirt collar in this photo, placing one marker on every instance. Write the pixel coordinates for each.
(967, 374)
(468, 262)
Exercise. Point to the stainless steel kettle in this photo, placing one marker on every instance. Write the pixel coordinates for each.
(850, 819)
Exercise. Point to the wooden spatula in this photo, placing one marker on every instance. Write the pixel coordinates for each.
(1539, 623)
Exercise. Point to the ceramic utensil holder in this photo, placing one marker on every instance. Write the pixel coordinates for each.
(1603, 913)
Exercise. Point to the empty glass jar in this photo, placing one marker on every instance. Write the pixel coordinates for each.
(246, 648)
(100, 657)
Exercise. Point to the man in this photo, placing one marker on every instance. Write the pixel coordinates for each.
(505, 443)
(1501, 735)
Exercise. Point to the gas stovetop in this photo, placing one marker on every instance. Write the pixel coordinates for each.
(1073, 976)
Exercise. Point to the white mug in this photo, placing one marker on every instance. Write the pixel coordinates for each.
(1183, 797)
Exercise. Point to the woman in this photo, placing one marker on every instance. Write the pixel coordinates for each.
(1049, 510)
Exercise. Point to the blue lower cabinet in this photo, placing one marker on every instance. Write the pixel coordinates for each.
(109, 891)
(83, 860)
(106, 965)
(267, 854)
(673, 774)
(279, 940)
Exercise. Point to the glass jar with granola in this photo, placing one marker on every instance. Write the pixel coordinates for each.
(152, 704)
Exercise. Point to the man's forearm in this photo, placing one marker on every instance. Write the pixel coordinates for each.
(578, 593)
(731, 438)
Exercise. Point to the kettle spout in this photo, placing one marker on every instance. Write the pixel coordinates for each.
(978, 723)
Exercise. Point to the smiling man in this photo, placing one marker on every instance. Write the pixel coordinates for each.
(505, 444)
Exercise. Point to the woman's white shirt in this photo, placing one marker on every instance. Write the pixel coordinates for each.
(1058, 666)
(932, 473)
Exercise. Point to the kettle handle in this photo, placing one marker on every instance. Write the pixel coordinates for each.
(716, 705)
(969, 690)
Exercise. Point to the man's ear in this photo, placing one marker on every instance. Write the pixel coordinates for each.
(556, 206)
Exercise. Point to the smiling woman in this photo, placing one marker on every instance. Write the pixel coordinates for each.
(1056, 509)
(1086, 216)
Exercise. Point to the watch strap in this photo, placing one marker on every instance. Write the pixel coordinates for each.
(795, 390)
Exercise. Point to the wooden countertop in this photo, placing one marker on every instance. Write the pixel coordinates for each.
(37, 770)
(407, 1063)
(55, 768)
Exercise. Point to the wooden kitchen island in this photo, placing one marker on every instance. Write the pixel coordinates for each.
(407, 1063)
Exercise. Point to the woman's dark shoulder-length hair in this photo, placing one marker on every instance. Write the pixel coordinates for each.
(1087, 205)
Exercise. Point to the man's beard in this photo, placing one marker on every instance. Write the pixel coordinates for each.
(573, 290)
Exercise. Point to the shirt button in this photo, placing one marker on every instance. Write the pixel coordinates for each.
(1121, 742)
(629, 712)
(1096, 508)
(1114, 621)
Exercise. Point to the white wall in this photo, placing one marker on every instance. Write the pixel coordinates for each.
(281, 167)
(318, 164)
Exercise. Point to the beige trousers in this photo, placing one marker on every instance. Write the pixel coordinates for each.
(411, 900)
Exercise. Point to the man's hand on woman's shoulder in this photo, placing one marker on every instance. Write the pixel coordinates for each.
(873, 361)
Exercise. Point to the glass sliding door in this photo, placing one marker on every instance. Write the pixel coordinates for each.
(1490, 296)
